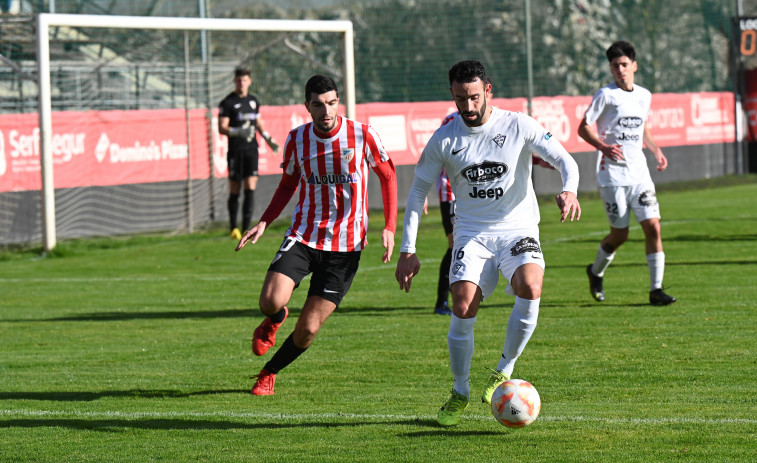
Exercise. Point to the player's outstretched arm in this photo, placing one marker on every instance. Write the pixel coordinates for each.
(569, 206)
(387, 240)
(267, 136)
(585, 131)
(252, 235)
(408, 266)
(662, 161)
(388, 179)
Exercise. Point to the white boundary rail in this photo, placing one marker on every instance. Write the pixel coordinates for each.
(45, 21)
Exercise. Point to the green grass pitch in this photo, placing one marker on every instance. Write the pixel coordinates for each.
(137, 349)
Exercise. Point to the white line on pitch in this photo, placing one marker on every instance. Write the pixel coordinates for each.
(317, 417)
(113, 279)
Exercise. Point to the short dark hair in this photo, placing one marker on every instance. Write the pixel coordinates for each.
(468, 71)
(239, 72)
(620, 48)
(319, 85)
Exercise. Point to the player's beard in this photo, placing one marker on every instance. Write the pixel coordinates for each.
(324, 127)
(479, 116)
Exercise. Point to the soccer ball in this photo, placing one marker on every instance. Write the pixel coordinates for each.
(516, 403)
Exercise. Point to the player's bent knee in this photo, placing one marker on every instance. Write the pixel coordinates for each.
(271, 303)
(529, 291)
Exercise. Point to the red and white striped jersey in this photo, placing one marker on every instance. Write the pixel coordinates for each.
(332, 210)
(444, 188)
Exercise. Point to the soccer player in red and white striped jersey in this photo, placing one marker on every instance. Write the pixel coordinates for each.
(328, 160)
(332, 169)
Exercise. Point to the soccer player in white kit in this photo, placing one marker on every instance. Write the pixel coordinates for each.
(620, 111)
(487, 155)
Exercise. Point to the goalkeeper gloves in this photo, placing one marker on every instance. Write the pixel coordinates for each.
(246, 131)
(268, 139)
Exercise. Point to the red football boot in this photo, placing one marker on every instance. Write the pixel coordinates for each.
(264, 336)
(264, 384)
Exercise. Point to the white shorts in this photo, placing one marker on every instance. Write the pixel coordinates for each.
(481, 258)
(620, 200)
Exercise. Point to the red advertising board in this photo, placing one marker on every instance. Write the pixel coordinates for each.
(101, 148)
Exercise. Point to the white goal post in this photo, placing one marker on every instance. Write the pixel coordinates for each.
(47, 20)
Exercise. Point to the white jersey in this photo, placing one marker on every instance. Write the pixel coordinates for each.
(490, 169)
(620, 116)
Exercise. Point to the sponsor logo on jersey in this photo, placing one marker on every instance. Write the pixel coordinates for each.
(547, 136)
(454, 152)
(648, 198)
(332, 179)
(525, 245)
(499, 140)
(484, 172)
(628, 137)
(494, 193)
(630, 122)
(348, 154)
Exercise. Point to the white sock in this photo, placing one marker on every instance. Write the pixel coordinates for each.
(656, 262)
(460, 343)
(520, 327)
(602, 262)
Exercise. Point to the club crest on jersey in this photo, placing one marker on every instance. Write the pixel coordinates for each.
(348, 154)
(499, 140)
(484, 172)
(332, 179)
(525, 245)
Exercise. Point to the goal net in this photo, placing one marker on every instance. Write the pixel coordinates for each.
(125, 137)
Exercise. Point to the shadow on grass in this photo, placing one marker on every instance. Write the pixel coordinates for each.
(642, 263)
(253, 314)
(118, 316)
(87, 396)
(117, 425)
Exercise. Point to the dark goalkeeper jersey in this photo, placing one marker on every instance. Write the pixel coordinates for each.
(239, 110)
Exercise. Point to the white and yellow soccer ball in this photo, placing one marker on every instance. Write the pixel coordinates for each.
(516, 403)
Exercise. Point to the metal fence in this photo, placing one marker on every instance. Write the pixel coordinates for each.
(403, 50)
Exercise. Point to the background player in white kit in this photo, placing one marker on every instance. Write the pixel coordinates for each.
(620, 111)
(487, 155)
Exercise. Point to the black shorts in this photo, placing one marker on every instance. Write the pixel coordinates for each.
(333, 272)
(242, 164)
(448, 215)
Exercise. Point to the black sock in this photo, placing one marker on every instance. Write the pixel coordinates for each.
(279, 316)
(442, 290)
(286, 354)
(248, 205)
(233, 205)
